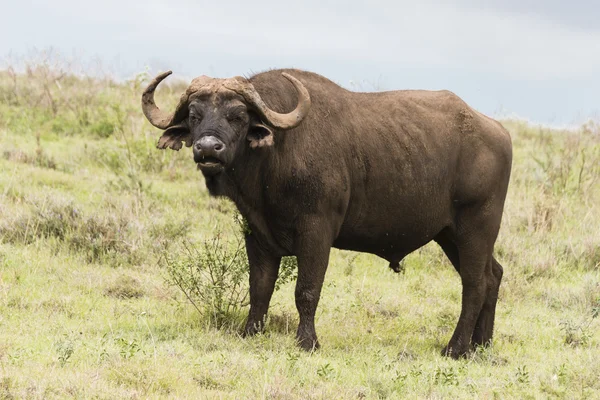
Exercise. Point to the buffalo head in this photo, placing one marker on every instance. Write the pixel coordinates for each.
(218, 116)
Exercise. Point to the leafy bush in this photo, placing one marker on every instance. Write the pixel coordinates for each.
(214, 275)
(125, 287)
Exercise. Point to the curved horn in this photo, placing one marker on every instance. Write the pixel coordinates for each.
(281, 121)
(156, 117)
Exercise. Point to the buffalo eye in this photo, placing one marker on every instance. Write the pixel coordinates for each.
(195, 118)
(236, 116)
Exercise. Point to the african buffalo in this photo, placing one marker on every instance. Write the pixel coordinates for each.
(312, 166)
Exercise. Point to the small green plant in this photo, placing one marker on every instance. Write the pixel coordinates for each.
(416, 371)
(445, 376)
(522, 375)
(561, 373)
(65, 349)
(101, 349)
(577, 334)
(325, 371)
(400, 378)
(127, 348)
(292, 357)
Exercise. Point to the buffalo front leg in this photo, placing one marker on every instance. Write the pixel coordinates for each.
(264, 269)
(313, 259)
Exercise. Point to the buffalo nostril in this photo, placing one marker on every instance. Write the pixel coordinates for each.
(209, 146)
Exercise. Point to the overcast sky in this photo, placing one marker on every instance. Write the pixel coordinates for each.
(537, 59)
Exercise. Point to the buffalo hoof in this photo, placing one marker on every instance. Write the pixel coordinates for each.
(454, 353)
(308, 344)
(397, 266)
(253, 328)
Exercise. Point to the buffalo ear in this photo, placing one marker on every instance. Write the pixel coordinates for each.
(174, 135)
(260, 135)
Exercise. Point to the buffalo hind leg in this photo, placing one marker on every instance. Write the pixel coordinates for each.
(474, 237)
(482, 335)
(474, 285)
(264, 269)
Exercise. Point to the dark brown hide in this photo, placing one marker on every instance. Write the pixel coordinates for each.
(383, 173)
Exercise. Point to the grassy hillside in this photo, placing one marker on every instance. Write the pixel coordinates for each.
(92, 216)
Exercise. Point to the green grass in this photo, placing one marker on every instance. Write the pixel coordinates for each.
(88, 207)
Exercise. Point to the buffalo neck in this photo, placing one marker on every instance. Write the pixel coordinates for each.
(244, 184)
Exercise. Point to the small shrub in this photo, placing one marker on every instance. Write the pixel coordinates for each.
(208, 382)
(213, 276)
(143, 155)
(168, 232)
(49, 219)
(98, 237)
(125, 287)
(102, 128)
(101, 237)
(576, 335)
